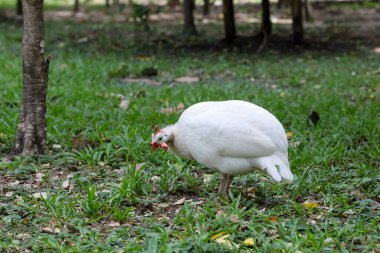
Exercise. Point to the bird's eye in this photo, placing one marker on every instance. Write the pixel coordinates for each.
(160, 138)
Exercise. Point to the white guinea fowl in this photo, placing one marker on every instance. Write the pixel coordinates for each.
(233, 137)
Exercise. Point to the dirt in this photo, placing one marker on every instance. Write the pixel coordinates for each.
(335, 28)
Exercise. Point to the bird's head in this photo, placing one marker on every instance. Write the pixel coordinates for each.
(161, 138)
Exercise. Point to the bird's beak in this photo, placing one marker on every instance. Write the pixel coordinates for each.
(155, 146)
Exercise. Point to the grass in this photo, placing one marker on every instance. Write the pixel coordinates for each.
(97, 201)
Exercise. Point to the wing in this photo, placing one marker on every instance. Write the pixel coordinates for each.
(228, 134)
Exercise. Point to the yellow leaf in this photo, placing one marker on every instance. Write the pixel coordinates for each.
(310, 205)
(290, 135)
(223, 238)
(249, 242)
(274, 219)
(218, 235)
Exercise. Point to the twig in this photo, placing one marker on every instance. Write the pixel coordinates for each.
(265, 40)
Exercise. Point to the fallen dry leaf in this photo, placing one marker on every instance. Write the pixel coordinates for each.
(234, 218)
(51, 230)
(295, 144)
(223, 238)
(108, 95)
(38, 195)
(57, 146)
(274, 219)
(82, 40)
(154, 178)
(249, 242)
(142, 80)
(66, 184)
(8, 194)
(349, 212)
(180, 107)
(38, 177)
(187, 79)
(124, 104)
(114, 224)
(218, 235)
(328, 240)
(310, 205)
(251, 191)
(23, 236)
(207, 178)
(14, 183)
(80, 142)
(163, 205)
(139, 166)
(121, 172)
(180, 201)
(169, 110)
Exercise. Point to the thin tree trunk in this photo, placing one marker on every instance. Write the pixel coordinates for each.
(173, 3)
(297, 24)
(189, 27)
(31, 132)
(307, 9)
(107, 3)
(229, 20)
(76, 6)
(206, 7)
(19, 7)
(280, 4)
(266, 24)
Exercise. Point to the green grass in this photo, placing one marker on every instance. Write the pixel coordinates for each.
(336, 162)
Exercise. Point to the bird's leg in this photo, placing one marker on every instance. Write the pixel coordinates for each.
(225, 184)
(222, 184)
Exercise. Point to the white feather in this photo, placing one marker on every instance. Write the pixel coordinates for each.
(233, 137)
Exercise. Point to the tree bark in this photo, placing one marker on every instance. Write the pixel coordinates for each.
(266, 24)
(307, 9)
(297, 25)
(188, 8)
(31, 132)
(19, 7)
(76, 6)
(229, 20)
(206, 7)
(173, 3)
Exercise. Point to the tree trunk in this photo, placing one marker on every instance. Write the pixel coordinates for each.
(31, 132)
(206, 7)
(189, 27)
(107, 3)
(266, 24)
(229, 20)
(307, 9)
(297, 24)
(19, 7)
(173, 3)
(76, 6)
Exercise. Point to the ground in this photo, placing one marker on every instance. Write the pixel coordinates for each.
(101, 188)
